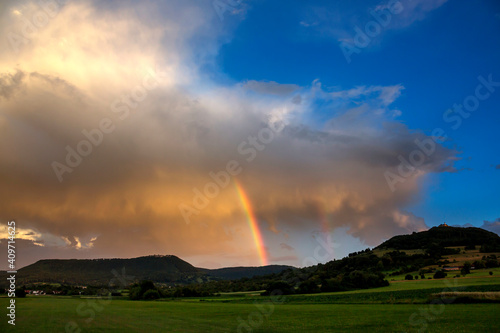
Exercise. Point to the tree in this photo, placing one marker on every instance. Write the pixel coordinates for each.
(380, 266)
(308, 287)
(138, 291)
(440, 274)
(151, 294)
(491, 263)
(362, 280)
(409, 277)
(491, 273)
(466, 268)
(280, 287)
(478, 264)
(332, 285)
(135, 292)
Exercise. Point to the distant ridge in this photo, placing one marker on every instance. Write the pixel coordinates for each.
(231, 273)
(443, 236)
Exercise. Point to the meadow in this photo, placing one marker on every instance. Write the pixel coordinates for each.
(400, 307)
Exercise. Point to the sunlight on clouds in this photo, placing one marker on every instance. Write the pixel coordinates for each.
(46, 239)
(21, 233)
(78, 244)
(117, 51)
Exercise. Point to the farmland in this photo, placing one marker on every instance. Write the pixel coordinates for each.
(401, 307)
(411, 300)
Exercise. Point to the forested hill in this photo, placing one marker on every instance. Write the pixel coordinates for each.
(102, 271)
(443, 236)
(231, 273)
(167, 269)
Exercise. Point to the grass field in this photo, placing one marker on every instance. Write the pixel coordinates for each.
(387, 309)
(48, 314)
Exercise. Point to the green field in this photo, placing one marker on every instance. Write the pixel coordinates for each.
(47, 314)
(401, 307)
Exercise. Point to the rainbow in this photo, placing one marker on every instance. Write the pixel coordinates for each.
(252, 222)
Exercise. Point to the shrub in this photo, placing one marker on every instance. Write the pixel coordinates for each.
(416, 277)
(491, 273)
(409, 277)
(466, 268)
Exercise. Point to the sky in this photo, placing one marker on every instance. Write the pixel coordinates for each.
(244, 133)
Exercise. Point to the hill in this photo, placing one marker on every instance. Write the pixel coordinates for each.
(363, 269)
(444, 237)
(232, 273)
(101, 271)
(417, 254)
(166, 269)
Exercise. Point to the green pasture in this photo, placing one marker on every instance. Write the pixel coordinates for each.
(400, 307)
(52, 314)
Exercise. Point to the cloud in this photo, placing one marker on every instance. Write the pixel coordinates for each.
(87, 64)
(284, 259)
(386, 95)
(307, 24)
(339, 21)
(416, 10)
(493, 226)
(270, 87)
(21, 233)
(46, 239)
(10, 83)
(286, 247)
(466, 225)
